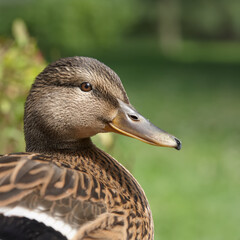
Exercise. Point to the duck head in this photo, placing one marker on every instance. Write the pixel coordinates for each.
(75, 98)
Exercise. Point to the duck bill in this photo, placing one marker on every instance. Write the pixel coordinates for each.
(130, 123)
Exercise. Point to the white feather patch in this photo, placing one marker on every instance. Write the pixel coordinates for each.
(57, 224)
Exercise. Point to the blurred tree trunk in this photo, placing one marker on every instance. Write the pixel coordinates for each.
(169, 25)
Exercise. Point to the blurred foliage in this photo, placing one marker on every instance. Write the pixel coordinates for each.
(66, 27)
(212, 19)
(206, 19)
(85, 27)
(20, 62)
(173, 21)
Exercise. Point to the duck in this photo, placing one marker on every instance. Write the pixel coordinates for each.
(63, 186)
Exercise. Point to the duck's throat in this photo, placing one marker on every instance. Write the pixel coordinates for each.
(76, 146)
(58, 146)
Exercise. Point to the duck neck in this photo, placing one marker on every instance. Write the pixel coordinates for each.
(64, 147)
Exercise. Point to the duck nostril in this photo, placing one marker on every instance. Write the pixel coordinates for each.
(133, 117)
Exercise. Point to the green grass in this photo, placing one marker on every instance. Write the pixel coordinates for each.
(194, 193)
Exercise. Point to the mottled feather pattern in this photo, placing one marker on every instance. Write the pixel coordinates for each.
(94, 198)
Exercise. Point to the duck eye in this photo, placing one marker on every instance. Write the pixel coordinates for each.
(86, 86)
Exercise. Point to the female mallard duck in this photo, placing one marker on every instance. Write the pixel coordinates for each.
(64, 187)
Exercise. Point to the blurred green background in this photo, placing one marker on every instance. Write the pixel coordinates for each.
(180, 64)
